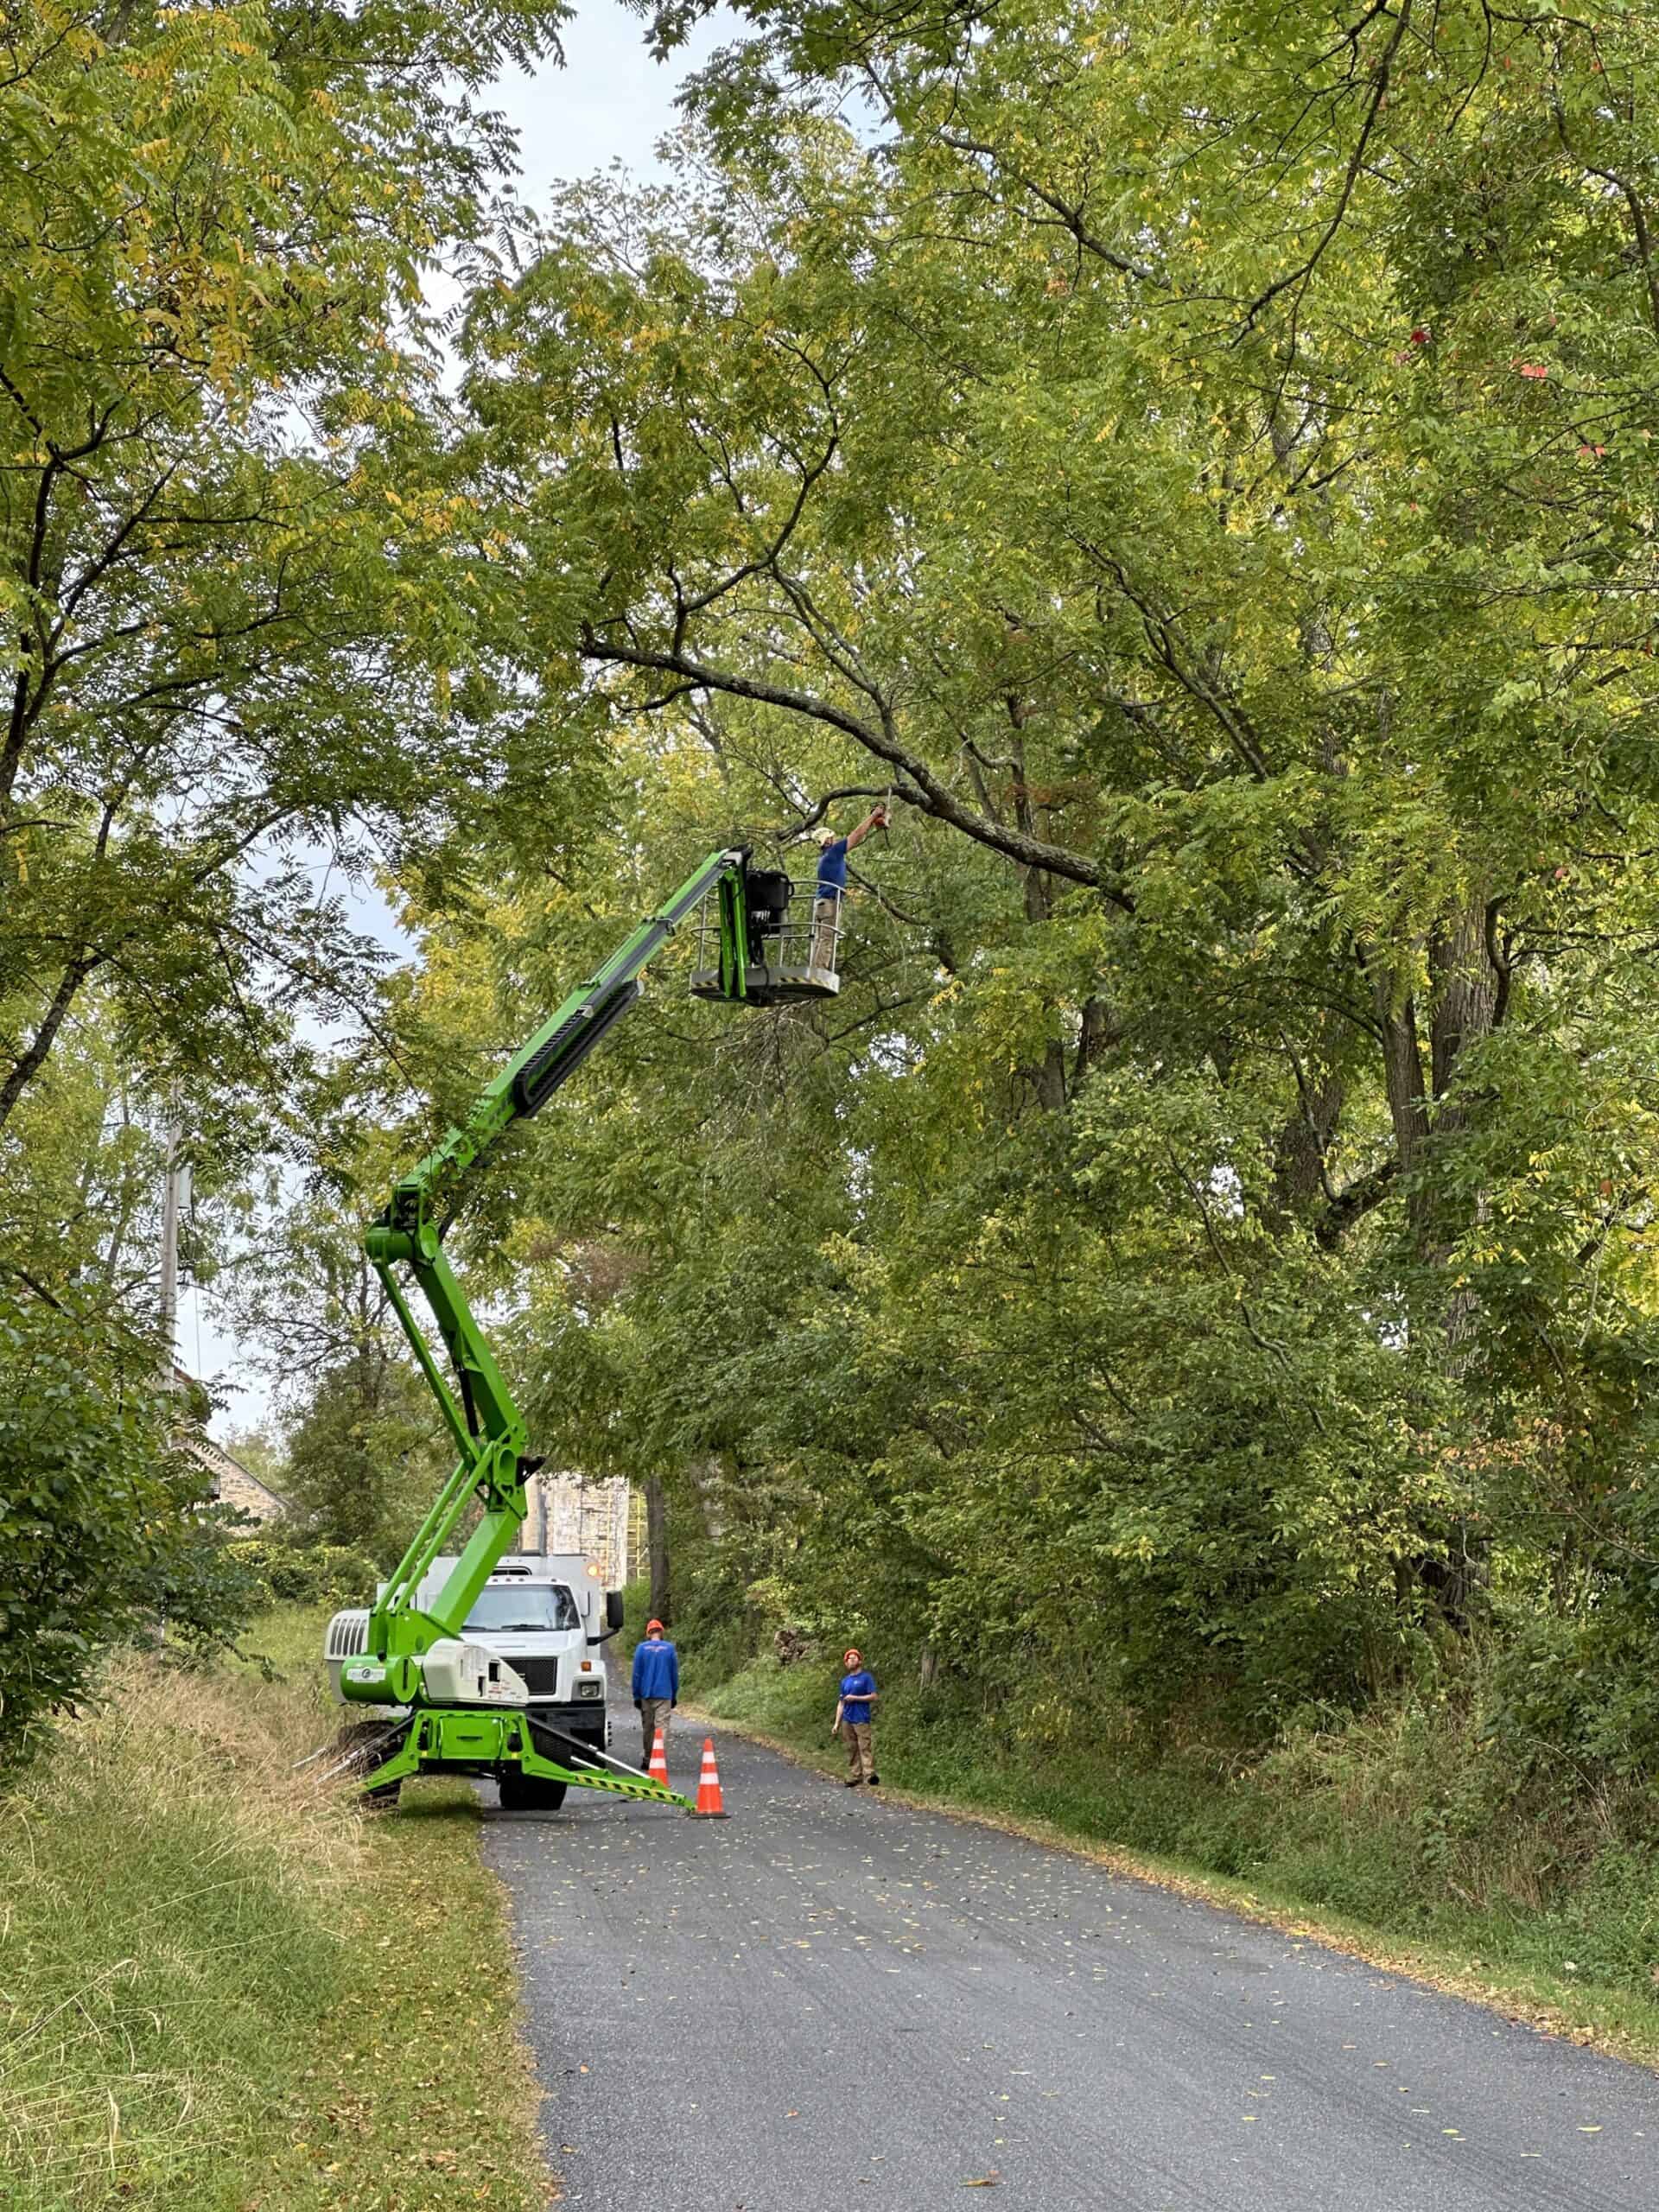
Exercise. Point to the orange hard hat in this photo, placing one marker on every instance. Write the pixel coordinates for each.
(854, 1654)
(651, 1626)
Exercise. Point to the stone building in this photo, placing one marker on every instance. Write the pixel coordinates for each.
(232, 1482)
(570, 1513)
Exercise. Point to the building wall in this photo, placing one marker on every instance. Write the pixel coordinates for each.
(247, 1494)
(568, 1514)
(232, 1483)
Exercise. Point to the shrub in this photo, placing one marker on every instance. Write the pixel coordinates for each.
(105, 1529)
(290, 1574)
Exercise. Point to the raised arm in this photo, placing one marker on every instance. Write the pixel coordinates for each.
(876, 818)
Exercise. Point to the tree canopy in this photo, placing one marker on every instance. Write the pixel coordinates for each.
(235, 617)
(1197, 463)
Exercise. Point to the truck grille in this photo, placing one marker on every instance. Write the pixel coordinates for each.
(541, 1676)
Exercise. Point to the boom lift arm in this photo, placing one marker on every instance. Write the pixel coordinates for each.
(490, 1732)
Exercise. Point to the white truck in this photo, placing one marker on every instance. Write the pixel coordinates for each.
(546, 1613)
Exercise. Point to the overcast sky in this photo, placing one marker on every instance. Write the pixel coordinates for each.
(610, 102)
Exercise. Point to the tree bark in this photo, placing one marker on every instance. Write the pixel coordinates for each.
(1402, 1071)
(1303, 1144)
(32, 1058)
(705, 1480)
(1465, 1003)
(930, 789)
(1097, 1031)
(656, 1547)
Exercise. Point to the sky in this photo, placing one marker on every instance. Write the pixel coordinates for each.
(609, 103)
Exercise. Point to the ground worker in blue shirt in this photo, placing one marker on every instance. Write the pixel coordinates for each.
(832, 884)
(656, 1683)
(853, 1723)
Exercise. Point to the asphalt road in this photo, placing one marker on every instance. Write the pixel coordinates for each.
(827, 2003)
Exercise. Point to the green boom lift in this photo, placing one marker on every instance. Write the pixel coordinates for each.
(460, 1710)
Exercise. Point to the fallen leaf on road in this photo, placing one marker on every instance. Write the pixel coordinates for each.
(992, 2180)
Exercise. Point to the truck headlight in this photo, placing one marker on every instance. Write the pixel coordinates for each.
(590, 1689)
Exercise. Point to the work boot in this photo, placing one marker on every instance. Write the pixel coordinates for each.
(854, 1782)
(872, 1777)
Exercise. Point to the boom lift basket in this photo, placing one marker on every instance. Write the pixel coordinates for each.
(792, 952)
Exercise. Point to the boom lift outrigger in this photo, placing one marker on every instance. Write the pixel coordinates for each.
(463, 1709)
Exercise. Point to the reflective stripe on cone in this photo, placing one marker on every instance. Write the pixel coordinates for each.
(711, 1806)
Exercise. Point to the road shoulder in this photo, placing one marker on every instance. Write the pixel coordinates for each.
(1551, 2008)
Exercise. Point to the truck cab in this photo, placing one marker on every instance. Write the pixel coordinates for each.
(547, 1614)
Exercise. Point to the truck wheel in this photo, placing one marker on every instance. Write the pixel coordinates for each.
(530, 1793)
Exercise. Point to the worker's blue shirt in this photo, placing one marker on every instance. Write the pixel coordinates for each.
(655, 1670)
(856, 1691)
(832, 869)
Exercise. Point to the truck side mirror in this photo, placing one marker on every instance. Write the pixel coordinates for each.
(613, 1617)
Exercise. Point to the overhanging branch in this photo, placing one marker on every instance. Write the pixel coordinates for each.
(930, 793)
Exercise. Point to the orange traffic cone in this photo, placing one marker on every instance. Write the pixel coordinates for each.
(711, 1806)
(659, 1768)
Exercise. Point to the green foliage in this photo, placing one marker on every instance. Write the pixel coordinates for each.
(362, 1458)
(1197, 463)
(291, 1573)
(242, 578)
(1203, 1253)
(104, 1530)
(244, 600)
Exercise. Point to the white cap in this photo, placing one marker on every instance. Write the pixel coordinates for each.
(827, 837)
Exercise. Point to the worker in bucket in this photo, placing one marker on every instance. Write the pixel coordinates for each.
(853, 1724)
(655, 1684)
(832, 883)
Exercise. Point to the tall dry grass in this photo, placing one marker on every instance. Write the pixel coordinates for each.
(173, 1901)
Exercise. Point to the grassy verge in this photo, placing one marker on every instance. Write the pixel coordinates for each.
(1396, 1839)
(221, 1990)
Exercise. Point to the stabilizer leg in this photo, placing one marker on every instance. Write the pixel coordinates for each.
(568, 1756)
(464, 1740)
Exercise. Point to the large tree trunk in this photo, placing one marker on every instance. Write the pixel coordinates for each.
(657, 1545)
(1465, 1003)
(705, 1475)
(1465, 1008)
(1298, 1176)
(1403, 1069)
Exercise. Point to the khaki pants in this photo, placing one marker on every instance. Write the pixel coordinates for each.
(826, 914)
(859, 1739)
(653, 1715)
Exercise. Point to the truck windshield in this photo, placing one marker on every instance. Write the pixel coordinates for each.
(527, 1606)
